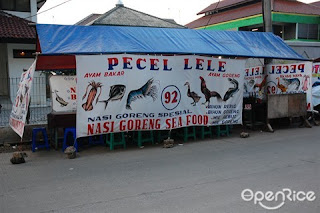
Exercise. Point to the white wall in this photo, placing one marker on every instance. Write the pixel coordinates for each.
(3, 70)
(309, 50)
(34, 9)
(26, 15)
(16, 66)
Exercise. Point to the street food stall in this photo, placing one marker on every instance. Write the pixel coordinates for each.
(143, 78)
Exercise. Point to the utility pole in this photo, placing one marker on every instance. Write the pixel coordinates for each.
(267, 17)
(267, 27)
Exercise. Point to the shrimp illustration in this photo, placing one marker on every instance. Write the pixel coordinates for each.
(146, 90)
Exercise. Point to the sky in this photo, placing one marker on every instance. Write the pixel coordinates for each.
(182, 11)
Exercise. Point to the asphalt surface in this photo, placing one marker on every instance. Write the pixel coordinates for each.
(203, 176)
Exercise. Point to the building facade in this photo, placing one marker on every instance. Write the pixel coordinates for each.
(17, 45)
(295, 22)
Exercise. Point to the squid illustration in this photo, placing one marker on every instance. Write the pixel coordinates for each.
(305, 83)
(87, 106)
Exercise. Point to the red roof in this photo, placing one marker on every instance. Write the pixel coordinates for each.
(227, 16)
(13, 28)
(317, 3)
(89, 19)
(295, 7)
(284, 6)
(223, 4)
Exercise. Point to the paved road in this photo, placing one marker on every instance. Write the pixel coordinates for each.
(205, 176)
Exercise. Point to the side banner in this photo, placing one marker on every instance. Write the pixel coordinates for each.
(126, 92)
(20, 107)
(316, 84)
(63, 93)
(254, 82)
(290, 78)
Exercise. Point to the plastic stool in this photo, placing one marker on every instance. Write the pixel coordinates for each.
(142, 138)
(187, 133)
(71, 130)
(100, 140)
(114, 139)
(35, 145)
(206, 130)
(225, 131)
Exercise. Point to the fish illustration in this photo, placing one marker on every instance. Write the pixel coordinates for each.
(315, 84)
(292, 81)
(251, 83)
(146, 90)
(26, 89)
(231, 91)
(116, 93)
(60, 100)
(245, 87)
(21, 98)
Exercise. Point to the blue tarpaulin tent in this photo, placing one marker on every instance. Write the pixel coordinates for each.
(57, 40)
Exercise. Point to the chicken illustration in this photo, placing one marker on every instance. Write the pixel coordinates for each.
(207, 93)
(281, 86)
(262, 84)
(195, 97)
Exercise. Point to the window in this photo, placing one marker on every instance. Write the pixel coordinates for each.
(289, 31)
(251, 28)
(278, 30)
(23, 53)
(308, 31)
(15, 5)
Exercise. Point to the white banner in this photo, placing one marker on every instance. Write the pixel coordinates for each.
(316, 84)
(254, 82)
(63, 93)
(125, 92)
(20, 107)
(290, 78)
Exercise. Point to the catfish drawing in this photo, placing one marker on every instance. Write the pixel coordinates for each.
(116, 93)
(60, 100)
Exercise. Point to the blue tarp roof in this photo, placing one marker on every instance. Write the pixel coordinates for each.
(72, 39)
